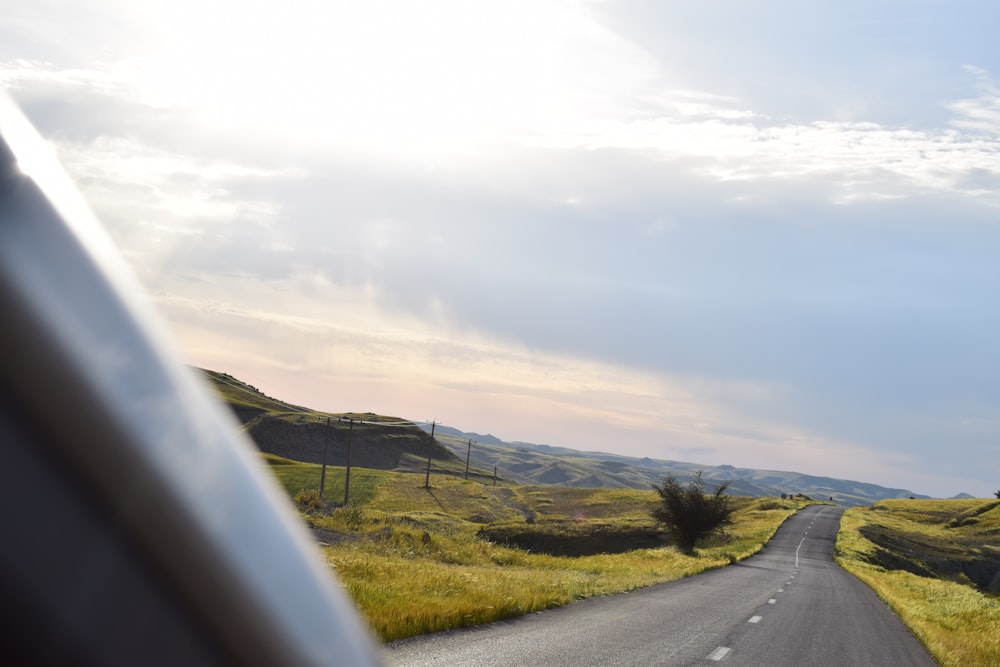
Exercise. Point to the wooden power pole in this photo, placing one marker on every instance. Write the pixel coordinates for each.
(322, 474)
(347, 477)
(468, 455)
(430, 450)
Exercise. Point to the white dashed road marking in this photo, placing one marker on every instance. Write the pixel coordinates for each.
(719, 653)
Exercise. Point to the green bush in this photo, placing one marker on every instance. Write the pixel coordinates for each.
(688, 513)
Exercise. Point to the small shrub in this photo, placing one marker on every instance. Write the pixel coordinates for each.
(309, 498)
(688, 513)
(353, 515)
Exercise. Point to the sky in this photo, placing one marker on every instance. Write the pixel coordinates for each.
(763, 233)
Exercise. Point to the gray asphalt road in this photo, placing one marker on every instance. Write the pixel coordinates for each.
(789, 605)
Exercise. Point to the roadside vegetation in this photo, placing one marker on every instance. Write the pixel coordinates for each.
(420, 560)
(937, 564)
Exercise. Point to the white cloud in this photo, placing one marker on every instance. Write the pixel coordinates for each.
(189, 189)
(980, 114)
(21, 73)
(860, 160)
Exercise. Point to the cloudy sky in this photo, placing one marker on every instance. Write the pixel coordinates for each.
(763, 233)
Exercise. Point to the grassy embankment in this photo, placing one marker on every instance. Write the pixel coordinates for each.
(414, 560)
(930, 561)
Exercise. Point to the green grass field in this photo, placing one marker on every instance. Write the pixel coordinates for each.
(298, 477)
(930, 561)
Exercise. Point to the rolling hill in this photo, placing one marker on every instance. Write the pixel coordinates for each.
(302, 434)
(390, 443)
(528, 463)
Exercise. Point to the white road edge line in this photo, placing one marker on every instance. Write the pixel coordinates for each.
(755, 619)
(719, 653)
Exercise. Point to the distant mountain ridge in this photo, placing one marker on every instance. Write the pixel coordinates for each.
(389, 443)
(529, 463)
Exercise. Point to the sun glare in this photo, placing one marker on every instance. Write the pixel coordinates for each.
(395, 76)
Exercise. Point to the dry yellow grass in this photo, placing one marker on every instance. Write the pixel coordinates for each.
(958, 624)
(417, 565)
(416, 588)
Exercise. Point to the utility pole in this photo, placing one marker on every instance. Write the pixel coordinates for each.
(326, 445)
(430, 450)
(347, 478)
(468, 454)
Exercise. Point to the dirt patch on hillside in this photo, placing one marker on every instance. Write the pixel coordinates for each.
(961, 560)
(570, 538)
(371, 445)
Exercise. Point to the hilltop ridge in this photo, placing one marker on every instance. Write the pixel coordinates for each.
(391, 443)
(302, 434)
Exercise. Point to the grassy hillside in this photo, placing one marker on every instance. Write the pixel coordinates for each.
(420, 560)
(301, 434)
(390, 443)
(246, 400)
(300, 479)
(937, 564)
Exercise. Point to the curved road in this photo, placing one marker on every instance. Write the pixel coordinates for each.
(788, 605)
